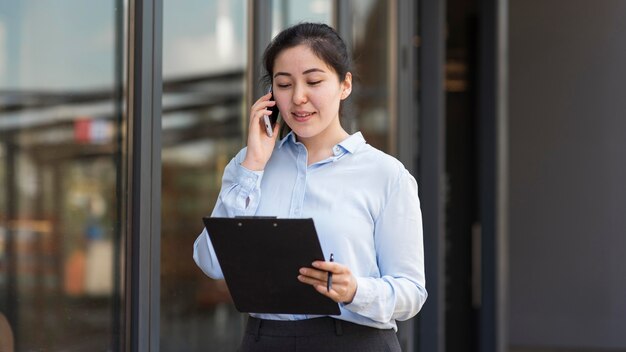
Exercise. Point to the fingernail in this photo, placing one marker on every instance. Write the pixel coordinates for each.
(315, 264)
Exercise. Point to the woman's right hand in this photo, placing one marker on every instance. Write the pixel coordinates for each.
(260, 146)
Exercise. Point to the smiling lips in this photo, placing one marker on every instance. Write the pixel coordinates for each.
(301, 116)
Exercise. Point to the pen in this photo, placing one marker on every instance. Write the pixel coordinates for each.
(329, 283)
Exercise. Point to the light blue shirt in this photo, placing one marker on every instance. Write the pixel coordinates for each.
(366, 211)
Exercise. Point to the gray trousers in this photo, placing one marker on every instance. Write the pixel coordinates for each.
(316, 335)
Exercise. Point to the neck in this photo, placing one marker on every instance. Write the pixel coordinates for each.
(321, 146)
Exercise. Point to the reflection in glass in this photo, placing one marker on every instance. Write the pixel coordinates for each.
(286, 13)
(59, 172)
(204, 61)
(371, 48)
(204, 70)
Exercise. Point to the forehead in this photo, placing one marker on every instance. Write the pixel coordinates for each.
(298, 59)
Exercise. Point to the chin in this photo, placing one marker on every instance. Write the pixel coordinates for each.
(303, 131)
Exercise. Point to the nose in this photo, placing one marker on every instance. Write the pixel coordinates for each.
(299, 95)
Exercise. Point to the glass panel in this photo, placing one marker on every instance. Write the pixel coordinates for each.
(371, 49)
(204, 63)
(286, 13)
(60, 83)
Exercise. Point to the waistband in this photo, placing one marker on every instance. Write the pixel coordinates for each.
(306, 327)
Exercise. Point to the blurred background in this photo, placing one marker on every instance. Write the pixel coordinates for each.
(510, 113)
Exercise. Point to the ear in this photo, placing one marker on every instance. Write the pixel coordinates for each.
(346, 86)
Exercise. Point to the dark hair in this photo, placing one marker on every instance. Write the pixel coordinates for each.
(320, 38)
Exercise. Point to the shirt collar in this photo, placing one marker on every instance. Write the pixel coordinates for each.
(289, 137)
(350, 144)
(353, 142)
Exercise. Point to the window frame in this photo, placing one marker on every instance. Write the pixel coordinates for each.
(142, 156)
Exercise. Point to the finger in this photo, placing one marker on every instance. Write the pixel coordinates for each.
(332, 294)
(320, 286)
(265, 96)
(315, 274)
(323, 289)
(311, 281)
(337, 293)
(333, 267)
(264, 99)
(263, 105)
(257, 118)
(261, 109)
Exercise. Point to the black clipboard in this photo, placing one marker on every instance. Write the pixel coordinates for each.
(260, 258)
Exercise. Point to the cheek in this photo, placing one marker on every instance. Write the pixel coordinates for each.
(322, 97)
(328, 101)
(282, 102)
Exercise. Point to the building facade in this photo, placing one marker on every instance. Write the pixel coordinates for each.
(118, 117)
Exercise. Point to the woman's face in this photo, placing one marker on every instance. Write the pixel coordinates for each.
(308, 92)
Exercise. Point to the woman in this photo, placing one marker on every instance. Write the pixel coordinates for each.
(364, 203)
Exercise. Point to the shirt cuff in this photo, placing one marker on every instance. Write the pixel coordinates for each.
(248, 179)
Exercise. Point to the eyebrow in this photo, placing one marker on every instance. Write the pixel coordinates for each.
(311, 70)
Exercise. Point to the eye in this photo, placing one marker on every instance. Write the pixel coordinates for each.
(314, 83)
(283, 85)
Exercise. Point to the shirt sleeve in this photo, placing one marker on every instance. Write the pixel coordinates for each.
(239, 196)
(400, 292)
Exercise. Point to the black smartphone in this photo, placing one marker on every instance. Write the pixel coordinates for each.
(270, 121)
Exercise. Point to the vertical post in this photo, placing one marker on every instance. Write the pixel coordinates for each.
(493, 173)
(342, 21)
(143, 156)
(10, 295)
(502, 118)
(405, 99)
(432, 170)
(260, 34)
(11, 14)
(117, 306)
(393, 55)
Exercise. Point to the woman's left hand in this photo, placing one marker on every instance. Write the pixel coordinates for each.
(343, 283)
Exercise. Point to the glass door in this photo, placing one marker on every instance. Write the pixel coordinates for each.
(60, 189)
(204, 72)
(206, 80)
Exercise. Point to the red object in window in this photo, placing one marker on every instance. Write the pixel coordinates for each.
(81, 130)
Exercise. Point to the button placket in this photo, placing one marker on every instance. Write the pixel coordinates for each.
(297, 198)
